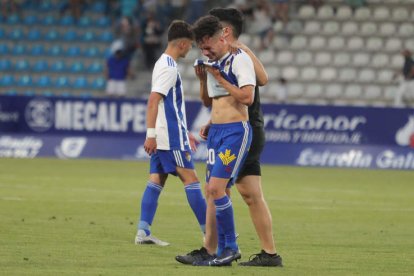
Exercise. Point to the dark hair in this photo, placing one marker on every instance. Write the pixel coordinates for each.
(230, 16)
(179, 29)
(207, 25)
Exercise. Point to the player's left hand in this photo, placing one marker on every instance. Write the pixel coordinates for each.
(150, 145)
(193, 141)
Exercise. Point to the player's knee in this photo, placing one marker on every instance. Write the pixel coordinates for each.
(213, 191)
(251, 199)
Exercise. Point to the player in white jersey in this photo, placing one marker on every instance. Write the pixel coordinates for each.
(168, 141)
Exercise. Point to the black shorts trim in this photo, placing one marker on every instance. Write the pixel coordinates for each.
(251, 165)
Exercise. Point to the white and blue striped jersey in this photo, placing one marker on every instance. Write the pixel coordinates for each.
(171, 124)
(238, 69)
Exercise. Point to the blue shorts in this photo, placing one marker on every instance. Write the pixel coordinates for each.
(166, 161)
(228, 145)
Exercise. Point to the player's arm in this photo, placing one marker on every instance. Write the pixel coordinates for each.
(202, 76)
(244, 94)
(261, 74)
(193, 141)
(150, 144)
(204, 130)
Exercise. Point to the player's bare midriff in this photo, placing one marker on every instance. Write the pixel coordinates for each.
(227, 110)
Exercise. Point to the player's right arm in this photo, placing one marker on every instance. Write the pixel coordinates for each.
(150, 144)
(201, 73)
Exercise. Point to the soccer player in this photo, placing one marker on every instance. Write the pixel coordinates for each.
(249, 178)
(229, 85)
(168, 141)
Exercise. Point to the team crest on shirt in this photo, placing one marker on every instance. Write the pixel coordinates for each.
(227, 157)
(188, 156)
(226, 66)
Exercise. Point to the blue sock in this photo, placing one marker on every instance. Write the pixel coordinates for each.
(221, 240)
(149, 205)
(225, 221)
(197, 203)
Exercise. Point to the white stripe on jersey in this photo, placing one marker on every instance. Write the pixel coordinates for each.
(178, 121)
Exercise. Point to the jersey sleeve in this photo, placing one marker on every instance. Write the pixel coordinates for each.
(243, 69)
(164, 79)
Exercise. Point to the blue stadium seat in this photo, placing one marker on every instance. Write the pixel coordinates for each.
(43, 81)
(98, 7)
(12, 19)
(55, 50)
(6, 80)
(77, 67)
(11, 92)
(2, 34)
(16, 34)
(85, 95)
(51, 35)
(106, 36)
(40, 66)
(73, 51)
(88, 36)
(80, 83)
(62, 82)
(103, 22)
(29, 93)
(45, 6)
(65, 94)
(25, 81)
(37, 50)
(34, 35)
(19, 50)
(49, 20)
(47, 93)
(22, 65)
(58, 66)
(30, 20)
(5, 65)
(4, 49)
(95, 67)
(91, 52)
(70, 35)
(98, 83)
(67, 20)
(107, 53)
(85, 22)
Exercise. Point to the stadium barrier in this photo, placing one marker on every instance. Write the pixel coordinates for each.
(299, 135)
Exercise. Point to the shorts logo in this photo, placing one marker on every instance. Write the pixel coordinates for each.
(188, 156)
(227, 158)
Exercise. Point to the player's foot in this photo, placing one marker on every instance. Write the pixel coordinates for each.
(226, 258)
(263, 259)
(143, 238)
(197, 255)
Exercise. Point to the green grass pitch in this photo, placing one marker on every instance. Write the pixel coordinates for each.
(78, 217)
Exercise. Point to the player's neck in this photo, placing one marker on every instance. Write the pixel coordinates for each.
(172, 52)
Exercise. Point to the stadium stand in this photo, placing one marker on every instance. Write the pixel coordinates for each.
(52, 55)
(334, 54)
